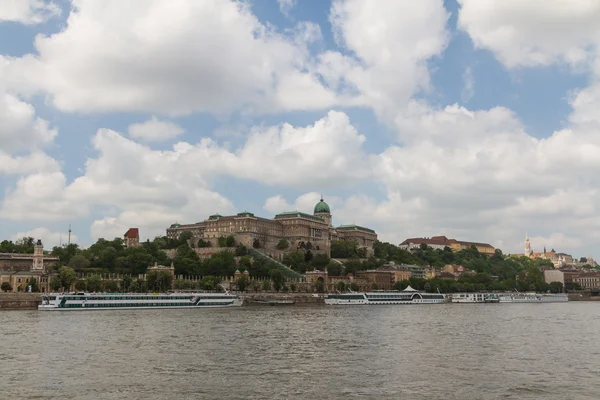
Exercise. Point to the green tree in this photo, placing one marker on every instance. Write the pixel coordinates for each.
(222, 241)
(354, 287)
(282, 244)
(334, 269)
(6, 287)
(341, 286)
(293, 287)
(80, 285)
(277, 278)
(256, 244)
(204, 243)
(242, 283)
(134, 287)
(126, 282)
(241, 250)
(93, 283)
(556, 287)
(34, 285)
(67, 277)
(256, 286)
(210, 283)
(308, 256)
(111, 286)
(401, 285)
(343, 249)
(79, 262)
(185, 237)
(320, 261)
(374, 286)
(285, 289)
(159, 281)
(266, 285)
(319, 287)
(230, 241)
(55, 283)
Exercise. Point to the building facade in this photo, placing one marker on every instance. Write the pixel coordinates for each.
(311, 231)
(441, 242)
(19, 269)
(132, 237)
(589, 280)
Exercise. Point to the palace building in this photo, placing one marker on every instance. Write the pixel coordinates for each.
(314, 231)
(441, 242)
(19, 269)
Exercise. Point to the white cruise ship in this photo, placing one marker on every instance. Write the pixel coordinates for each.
(407, 296)
(129, 301)
(474, 298)
(533, 298)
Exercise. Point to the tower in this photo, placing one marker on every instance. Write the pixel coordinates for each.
(323, 211)
(528, 251)
(38, 256)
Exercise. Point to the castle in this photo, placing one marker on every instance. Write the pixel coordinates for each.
(300, 229)
(558, 259)
(18, 269)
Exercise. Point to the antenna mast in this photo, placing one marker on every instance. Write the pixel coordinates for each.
(69, 235)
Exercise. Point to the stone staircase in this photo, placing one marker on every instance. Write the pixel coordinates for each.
(285, 271)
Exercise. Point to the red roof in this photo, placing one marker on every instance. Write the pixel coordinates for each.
(132, 233)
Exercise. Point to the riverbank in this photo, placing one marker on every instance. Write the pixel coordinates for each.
(20, 301)
(281, 299)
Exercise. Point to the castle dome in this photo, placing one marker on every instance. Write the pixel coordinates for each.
(322, 207)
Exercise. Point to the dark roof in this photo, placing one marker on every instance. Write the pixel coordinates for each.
(132, 233)
(355, 228)
(437, 240)
(299, 214)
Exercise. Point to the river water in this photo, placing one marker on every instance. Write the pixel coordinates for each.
(450, 351)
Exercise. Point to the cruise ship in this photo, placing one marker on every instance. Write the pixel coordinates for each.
(130, 301)
(533, 298)
(407, 296)
(474, 298)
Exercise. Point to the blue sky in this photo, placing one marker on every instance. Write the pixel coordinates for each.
(415, 119)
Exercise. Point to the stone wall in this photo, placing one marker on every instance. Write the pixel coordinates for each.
(20, 301)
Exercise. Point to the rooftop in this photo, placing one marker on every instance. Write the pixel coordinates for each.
(132, 233)
(355, 228)
(298, 214)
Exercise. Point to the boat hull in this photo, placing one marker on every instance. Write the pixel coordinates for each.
(534, 298)
(390, 298)
(129, 301)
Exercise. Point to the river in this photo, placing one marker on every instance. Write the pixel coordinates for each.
(450, 351)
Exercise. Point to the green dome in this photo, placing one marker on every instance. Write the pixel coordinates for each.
(322, 207)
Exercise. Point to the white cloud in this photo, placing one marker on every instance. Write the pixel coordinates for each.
(170, 57)
(554, 241)
(303, 203)
(285, 6)
(526, 33)
(327, 153)
(28, 11)
(20, 128)
(21, 165)
(468, 86)
(154, 130)
(390, 43)
(41, 197)
(48, 237)
(151, 189)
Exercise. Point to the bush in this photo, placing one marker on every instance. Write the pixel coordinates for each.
(283, 244)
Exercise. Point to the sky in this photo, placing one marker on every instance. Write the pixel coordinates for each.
(474, 119)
